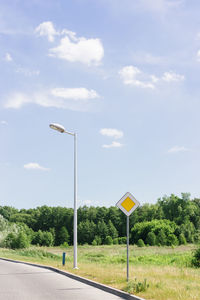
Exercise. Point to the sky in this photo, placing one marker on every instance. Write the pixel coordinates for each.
(123, 75)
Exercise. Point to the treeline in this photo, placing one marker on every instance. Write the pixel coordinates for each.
(171, 221)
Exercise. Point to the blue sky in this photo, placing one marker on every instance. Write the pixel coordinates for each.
(124, 75)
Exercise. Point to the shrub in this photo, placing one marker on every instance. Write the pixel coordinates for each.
(136, 287)
(62, 236)
(151, 239)
(172, 240)
(140, 243)
(197, 236)
(161, 228)
(161, 238)
(15, 241)
(94, 243)
(43, 238)
(108, 240)
(47, 239)
(22, 241)
(182, 239)
(65, 245)
(196, 258)
(115, 241)
(122, 240)
(98, 240)
(10, 241)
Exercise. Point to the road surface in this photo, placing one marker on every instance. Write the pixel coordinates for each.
(23, 282)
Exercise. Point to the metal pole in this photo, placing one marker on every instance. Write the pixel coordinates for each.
(75, 201)
(127, 248)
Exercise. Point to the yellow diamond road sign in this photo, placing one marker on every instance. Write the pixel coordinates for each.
(128, 204)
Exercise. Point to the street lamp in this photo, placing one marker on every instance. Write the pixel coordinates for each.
(61, 129)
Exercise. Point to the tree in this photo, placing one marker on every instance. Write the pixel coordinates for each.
(43, 238)
(161, 238)
(151, 239)
(22, 241)
(37, 238)
(86, 232)
(108, 240)
(10, 241)
(182, 239)
(102, 230)
(17, 241)
(141, 230)
(112, 231)
(172, 240)
(47, 239)
(62, 236)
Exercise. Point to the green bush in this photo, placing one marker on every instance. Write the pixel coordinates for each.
(98, 240)
(122, 240)
(108, 240)
(10, 241)
(62, 236)
(182, 239)
(22, 241)
(17, 241)
(172, 240)
(151, 239)
(43, 238)
(161, 238)
(140, 243)
(65, 245)
(94, 243)
(115, 241)
(136, 286)
(196, 258)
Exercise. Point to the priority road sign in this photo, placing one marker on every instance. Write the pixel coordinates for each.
(128, 204)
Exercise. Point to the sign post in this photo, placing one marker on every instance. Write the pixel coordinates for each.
(127, 242)
(127, 204)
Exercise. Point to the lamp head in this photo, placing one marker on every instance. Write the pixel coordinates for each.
(57, 127)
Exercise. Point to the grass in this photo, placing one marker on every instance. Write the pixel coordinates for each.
(167, 270)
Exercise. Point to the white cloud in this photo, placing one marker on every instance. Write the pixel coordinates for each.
(35, 166)
(27, 72)
(87, 51)
(47, 29)
(74, 93)
(198, 53)
(177, 149)
(87, 202)
(82, 202)
(78, 99)
(8, 57)
(111, 132)
(72, 48)
(129, 74)
(4, 122)
(71, 34)
(172, 76)
(17, 100)
(113, 145)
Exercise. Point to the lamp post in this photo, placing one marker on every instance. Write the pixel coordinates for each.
(61, 129)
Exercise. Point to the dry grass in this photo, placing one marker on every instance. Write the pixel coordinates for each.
(167, 277)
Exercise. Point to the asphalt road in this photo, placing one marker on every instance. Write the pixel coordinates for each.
(23, 282)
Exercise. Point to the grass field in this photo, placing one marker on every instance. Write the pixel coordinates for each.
(167, 270)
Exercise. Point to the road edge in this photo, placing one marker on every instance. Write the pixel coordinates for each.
(81, 279)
